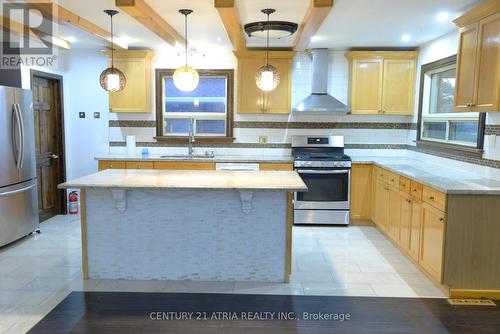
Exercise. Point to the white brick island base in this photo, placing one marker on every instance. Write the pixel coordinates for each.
(187, 225)
(208, 235)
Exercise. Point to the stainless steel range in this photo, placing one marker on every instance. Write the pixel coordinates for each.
(326, 170)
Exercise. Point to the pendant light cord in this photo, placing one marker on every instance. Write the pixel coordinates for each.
(112, 45)
(186, 36)
(267, 43)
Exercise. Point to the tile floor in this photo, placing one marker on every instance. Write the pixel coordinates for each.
(39, 271)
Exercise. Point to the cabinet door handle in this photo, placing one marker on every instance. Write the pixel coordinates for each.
(403, 185)
(386, 188)
(408, 200)
(414, 190)
(441, 219)
(392, 180)
(431, 198)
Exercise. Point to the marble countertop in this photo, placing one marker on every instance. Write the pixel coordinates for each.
(190, 179)
(200, 158)
(435, 175)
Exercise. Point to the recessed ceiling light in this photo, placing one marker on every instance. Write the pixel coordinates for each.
(406, 38)
(443, 16)
(314, 38)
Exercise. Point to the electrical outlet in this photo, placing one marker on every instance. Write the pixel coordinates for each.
(81, 114)
(97, 114)
(262, 139)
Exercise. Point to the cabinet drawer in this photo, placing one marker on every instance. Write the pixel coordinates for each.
(435, 198)
(393, 179)
(416, 189)
(103, 164)
(276, 166)
(180, 165)
(404, 184)
(140, 165)
(381, 174)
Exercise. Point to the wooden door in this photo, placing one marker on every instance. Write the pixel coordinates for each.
(366, 86)
(466, 60)
(361, 186)
(432, 241)
(250, 97)
(487, 80)
(415, 227)
(406, 215)
(393, 213)
(398, 89)
(49, 147)
(278, 101)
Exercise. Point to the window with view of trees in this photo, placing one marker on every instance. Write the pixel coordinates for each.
(210, 106)
(438, 122)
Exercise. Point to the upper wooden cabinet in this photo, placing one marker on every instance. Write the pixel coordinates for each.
(478, 63)
(251, 100)
(382, 82)
(136, 66)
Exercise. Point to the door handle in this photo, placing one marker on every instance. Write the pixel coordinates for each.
(6, 193)
(16, 147)
(21, 126)
(53, 156)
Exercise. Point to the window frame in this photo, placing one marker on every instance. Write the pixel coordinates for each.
(160, 135)
(445, 145)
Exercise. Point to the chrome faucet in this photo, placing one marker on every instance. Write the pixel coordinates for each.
(191, 138)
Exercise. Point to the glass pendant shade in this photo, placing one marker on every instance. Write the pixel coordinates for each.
(186, 78)
(267, 78)
(112, 80)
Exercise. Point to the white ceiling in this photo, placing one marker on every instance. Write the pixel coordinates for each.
(351, 23)
(382, 23)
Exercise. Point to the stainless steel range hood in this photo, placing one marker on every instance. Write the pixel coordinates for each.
(320, 100)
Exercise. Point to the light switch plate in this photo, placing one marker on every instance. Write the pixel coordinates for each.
(81, 114)
(262, 139)
(97, 114)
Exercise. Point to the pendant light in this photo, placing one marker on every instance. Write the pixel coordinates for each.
(267, 77)
(185, 77)
(112, 79)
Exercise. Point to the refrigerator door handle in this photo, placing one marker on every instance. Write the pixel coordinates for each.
(16, 146)
(6, 193)
(23, 139)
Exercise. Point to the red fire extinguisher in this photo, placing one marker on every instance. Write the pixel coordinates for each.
(73, 203)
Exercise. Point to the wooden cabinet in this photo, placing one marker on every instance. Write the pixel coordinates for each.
(140, 165)
(415, 227)
(366, 86)
(434, 198)
(251, 100)
(432, 241)
(393, 213)
(107, 164)
(380, 205)
(136, 96)
(478, 66)
(382, 82)
(361, 186)
(405, 220)
(276, 166)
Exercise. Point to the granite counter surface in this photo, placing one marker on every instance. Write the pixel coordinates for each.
(190, 179)
(438, 176)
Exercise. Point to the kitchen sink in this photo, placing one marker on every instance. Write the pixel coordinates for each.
(189, 157)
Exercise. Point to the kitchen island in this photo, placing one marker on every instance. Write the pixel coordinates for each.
(187, 225)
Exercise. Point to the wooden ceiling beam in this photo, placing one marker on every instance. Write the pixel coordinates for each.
(20, 29)
(228, 14)
(143, 13)
(60, 14)
(317, 12)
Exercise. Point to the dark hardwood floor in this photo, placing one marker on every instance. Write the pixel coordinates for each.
(127, 312)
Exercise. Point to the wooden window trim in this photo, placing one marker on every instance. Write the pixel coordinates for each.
(477, 151)
(229, 74)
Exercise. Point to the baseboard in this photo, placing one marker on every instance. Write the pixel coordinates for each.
(471, 293)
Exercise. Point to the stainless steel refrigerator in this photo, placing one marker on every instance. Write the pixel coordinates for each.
(18, 182)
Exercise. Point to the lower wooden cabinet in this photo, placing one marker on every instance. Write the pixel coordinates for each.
(276, 166)
(393, 213)
(176, 165)
(380, 205)
(105, 164)
(432, 241)
(361, 191)
(405, 203)
(415, 228)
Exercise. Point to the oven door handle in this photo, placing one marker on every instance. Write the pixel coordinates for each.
(316, 171)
